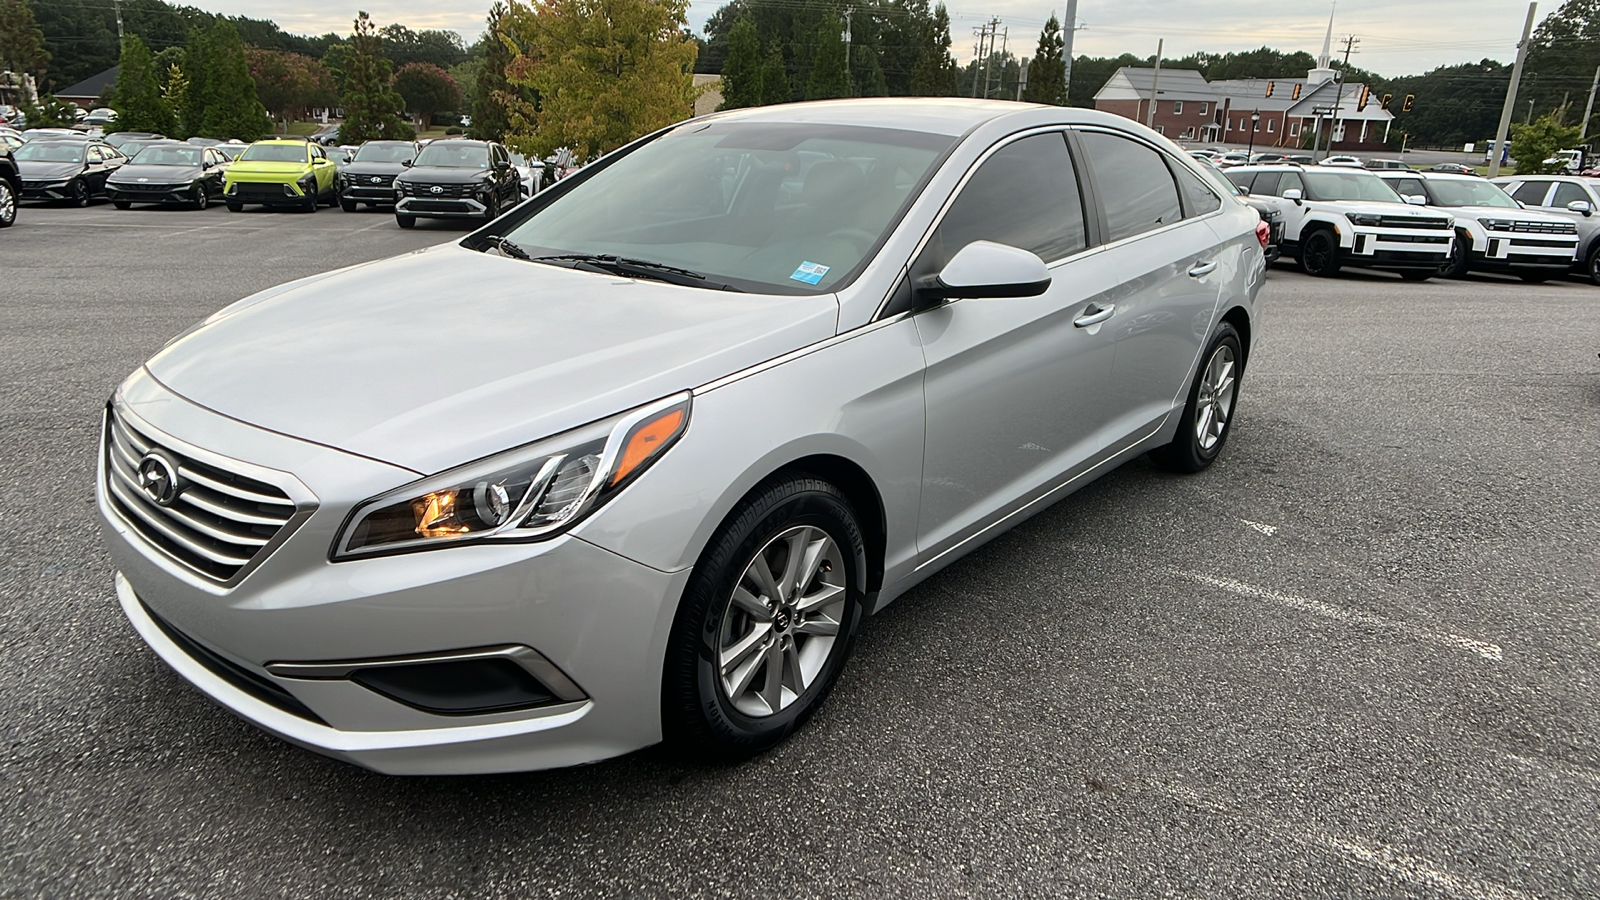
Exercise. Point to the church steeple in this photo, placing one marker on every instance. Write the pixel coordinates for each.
(1324, 73)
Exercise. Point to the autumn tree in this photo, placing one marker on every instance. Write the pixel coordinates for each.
(606, 72)
(1047, 74)
(371, 106)
(138, 101)
(291, 84)
(21, 39)
(426, 89)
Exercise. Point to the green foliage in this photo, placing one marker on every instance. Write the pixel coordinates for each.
(426, 89)
(221, 100)
(1562, 55)
(1454, 105)
(138, 101)
(605, 71)
(175, 91)
(402, 46)
(829, 77)
(775, 87)
(741, 73)
(370, 103)
(21, 40)
(1534, 143)
(492, 95)
(50, 113)
(1047, 73)
(291, 84)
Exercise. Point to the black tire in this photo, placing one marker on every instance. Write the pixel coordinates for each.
(200, 199)
(311, 200)
(1535, 277)
(1185, 453)
(122, 204)
(79, 194)
(347, 205)
(8, 204)
(405, 221)
(234, 206)
(698, 719)
(1592, 267)
(491, 210)
(1319, 254)
(332, 199)
(1456, 265)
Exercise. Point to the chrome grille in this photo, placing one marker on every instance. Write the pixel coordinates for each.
(446, 191)
(218, 523)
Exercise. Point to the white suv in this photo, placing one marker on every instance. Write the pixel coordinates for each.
(1493, 232)
(1336, 216)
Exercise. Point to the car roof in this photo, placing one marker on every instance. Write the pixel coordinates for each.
(953, 116)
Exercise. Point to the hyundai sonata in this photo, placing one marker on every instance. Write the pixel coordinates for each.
(637, 459)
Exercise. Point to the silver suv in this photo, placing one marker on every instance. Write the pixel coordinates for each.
(709, 404)
(1572, 197)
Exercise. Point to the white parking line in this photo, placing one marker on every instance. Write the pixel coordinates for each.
(1392, 862)
(1268, 530)
(1340, 614)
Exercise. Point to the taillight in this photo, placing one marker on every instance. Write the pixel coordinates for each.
(1263, 234)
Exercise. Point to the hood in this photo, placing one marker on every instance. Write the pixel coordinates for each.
(131, 174)
(373, 168)
(45, 170)
(267, 167)
(444, 175)
(447, 355)
(1506, 212)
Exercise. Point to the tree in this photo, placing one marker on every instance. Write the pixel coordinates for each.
(830, 78)
(175, 91)
(426, 89)
(50, 113)
(1047, 74)
(492, 95)
(221, 100)
(933, 74)
(1534, 143)
(1562, 54)
(138, 101)
(774, 80)
(402, 46)
(21, 40)
(291, 84)
(369, 100)
(606, 72)
(741, 72)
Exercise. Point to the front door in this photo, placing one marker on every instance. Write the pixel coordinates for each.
(1014, 387)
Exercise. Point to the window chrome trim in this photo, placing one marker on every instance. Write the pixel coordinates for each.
(536, 664)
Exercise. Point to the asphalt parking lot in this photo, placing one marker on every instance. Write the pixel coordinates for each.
(1359, 657)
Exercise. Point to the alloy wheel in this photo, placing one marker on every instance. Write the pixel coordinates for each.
(781, 621)
(80, 193)
(1217, 391)
(8, 204)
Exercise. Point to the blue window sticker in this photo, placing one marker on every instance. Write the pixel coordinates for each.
(809, 272)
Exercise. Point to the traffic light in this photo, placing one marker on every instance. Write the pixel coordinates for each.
(1269, 87)
(1296, 94)
(1386, 99)
(1366, 93)
(1406, 106)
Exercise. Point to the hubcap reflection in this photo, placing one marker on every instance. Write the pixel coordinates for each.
(781, 622)
(1217, 390)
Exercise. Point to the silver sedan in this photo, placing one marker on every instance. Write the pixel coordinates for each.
(636, 461)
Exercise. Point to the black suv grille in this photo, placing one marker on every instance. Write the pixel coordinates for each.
(217, 522)
(1408, 222)
(1544, 227)
(437, 191)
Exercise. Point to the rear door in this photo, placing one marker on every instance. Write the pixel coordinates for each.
(1015, 388)
(1167, 265)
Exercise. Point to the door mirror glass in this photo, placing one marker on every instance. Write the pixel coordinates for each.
(984, 269)
(406, 163)
(1294, 194)
(1580, 206)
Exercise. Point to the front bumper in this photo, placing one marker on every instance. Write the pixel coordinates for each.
(171, 193)
(267, 193)
(45, 190)
(1510, 252)
(269, 648)
(1394, 248)
(424, 207)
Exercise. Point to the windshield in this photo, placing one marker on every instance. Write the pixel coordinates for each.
(386, 153)
(1352, 185)
(1468, 192)
(159, 155)
(275, 153)
(784, 208)
(231, 151)
(454, 155)
(51, 152)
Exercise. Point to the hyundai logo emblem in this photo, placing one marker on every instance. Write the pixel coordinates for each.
(377, 179)
(158, 478)
(436, 189)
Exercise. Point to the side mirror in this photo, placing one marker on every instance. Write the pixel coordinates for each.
(406, 163)
(1243, 191)
(1416, 200)
(1294, 194)
(985, 269)
(1581, 206)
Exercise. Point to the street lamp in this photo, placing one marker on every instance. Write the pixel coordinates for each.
(1255, 120)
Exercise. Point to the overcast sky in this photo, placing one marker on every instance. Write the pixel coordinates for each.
(1396, 38)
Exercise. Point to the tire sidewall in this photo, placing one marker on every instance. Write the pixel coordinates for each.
(80, 194)
(1184, 454)
(1333, 252)
(692, 685)
(6, 191)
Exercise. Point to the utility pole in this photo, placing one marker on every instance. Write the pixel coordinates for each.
(1022, 80)
(988, 63)
(1350, 43)
(1588, 108)
(1499, 148)
(118, 5)
(1155, 82)
(847, 11)
(1071, 27)
(985, 34)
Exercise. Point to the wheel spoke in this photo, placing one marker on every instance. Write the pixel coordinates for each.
(816, 551)
(821, 627)
(824, 595)
(744, 647)
(751, 604)
(789, 585)
(761, 574)
(739, 681)
(772, 688)
(791, 662)
(1203, 427)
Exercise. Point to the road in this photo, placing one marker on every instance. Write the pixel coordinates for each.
(1359, 657)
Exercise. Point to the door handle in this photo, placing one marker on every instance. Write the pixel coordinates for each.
(1201, 270)
(1094, 315)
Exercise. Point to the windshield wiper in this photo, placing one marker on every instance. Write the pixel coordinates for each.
(638, 268)
(507, 247)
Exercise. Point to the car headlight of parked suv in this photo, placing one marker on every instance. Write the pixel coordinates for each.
(528, 494)
(1368, 219)
(1497, 224)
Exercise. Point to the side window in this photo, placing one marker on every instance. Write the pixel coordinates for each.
(1409, 186)
(1567, 192)
(1198, 197)
(1532, 192)
(94, 155)
(1292, 182)
(1133, 184)
(1241, 179)
(1266, 184)
(1025, 195)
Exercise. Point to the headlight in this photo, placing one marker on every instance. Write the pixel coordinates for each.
(528, 494)
(1365, 219)
(1496, 224)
